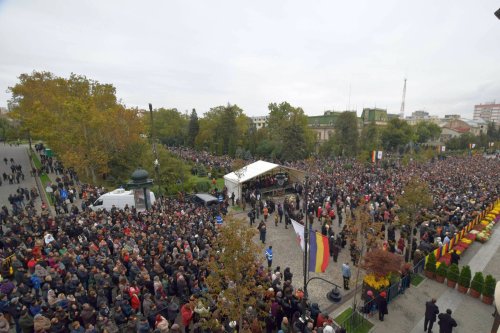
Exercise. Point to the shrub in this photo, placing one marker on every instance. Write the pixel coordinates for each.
(477, 282)
(442, 270)
(203, 186)
(465, 276)
(430, 265)
(453, 273)
(489, 286)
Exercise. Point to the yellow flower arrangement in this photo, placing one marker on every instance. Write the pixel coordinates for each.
(466, 240)
(485, 223)
(376, 283)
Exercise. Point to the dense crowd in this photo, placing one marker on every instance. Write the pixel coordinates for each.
(127, 271)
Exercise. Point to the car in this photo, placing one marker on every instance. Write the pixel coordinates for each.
(205, 199)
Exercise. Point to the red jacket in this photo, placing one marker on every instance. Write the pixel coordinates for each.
(135, 302)
(186, 314)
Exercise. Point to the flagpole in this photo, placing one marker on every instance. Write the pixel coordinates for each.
(306, 235)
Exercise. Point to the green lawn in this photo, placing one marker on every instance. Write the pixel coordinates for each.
(416, 279)
(219, 181)
(43, 178)
(363, 327)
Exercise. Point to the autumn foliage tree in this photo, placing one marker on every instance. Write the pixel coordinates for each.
(416, 196)
(234, 280)
(380, 263)
(80, 119)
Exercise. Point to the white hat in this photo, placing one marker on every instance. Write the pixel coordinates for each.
(328, 329)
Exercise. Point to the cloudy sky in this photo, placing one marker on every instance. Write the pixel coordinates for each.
(318, 54)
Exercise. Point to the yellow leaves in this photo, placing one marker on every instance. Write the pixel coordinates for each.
(376, 283)
(78, 118)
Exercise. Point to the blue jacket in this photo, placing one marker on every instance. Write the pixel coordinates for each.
(269, 254)
(346, 270)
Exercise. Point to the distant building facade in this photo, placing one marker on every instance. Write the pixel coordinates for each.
(420, 116)
(323, 126)
(260, 121)
(375, 115)
(454, 127)
(489, 112)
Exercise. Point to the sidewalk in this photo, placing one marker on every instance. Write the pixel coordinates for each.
(406, 313)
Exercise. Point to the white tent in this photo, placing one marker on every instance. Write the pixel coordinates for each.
(234, 180)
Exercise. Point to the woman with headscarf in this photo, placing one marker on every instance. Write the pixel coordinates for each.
(52, 298)
(161, 324)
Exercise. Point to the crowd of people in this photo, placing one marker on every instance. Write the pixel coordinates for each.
(129, 271)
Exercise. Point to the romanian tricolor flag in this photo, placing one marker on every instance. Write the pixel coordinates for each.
(319, 252)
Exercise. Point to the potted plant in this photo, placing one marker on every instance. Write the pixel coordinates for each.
(464, 279)
(430, 266)
(441, 273)
(453, 275)
(476, 286)
(489, 289)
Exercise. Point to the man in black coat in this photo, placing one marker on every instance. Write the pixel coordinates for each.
(382, 305)
(446, 322)
(431, 311)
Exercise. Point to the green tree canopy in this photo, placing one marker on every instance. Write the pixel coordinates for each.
(346, 134)
(397, 134)
(427, 131)
(193, 129)
(170, 126)
(288, 130)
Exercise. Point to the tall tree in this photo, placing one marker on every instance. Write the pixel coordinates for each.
(415, 198)
(370, 137)
(346, 134)
(397, 134)
(427, 131)
(234, 277)
(222, 129)
(288, 131)
(170, 126)
(80, 119)
(194, 128)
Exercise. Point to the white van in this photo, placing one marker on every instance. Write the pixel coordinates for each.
(121, 198)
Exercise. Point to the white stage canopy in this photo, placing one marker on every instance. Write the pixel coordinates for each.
(234, 180)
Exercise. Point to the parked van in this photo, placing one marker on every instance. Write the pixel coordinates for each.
(118, 198)
(205, 199)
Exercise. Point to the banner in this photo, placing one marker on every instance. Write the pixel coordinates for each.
(299, 231)
(379, 155)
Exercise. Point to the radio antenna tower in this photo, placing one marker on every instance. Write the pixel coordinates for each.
(402, 111)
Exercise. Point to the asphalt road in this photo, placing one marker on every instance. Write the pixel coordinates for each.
(20, 156)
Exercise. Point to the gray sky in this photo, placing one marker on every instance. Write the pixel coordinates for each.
(201, 54)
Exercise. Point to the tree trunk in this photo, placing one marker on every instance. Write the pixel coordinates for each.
(410, 241)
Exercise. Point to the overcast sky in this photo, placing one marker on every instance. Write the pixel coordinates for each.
(313, 54)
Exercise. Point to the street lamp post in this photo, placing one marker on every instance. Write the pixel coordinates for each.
(155, 151)
(306, 234)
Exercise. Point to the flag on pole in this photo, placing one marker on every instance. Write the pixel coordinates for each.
(374, 156)
(319, 252)
(379, 155)
(299, 231)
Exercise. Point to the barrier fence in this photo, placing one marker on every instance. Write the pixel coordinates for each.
(369, 308)
(447, 248)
